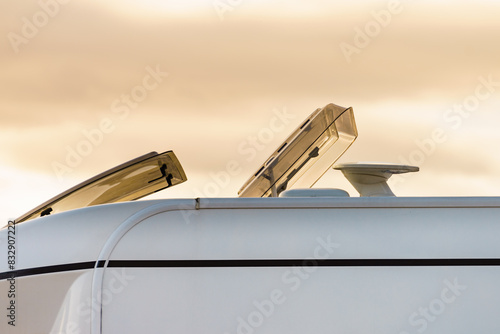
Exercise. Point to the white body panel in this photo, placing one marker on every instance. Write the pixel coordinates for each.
(296, 265)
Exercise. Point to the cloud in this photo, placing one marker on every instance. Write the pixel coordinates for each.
(226, 77)
(87, 57)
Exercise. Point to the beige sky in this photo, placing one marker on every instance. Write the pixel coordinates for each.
(200, 77)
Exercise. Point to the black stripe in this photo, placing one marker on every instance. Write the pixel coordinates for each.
(301, 262)
(47, 270)
(245, 263)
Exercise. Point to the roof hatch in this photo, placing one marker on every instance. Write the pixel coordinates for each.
(306, 154)
(132, 180)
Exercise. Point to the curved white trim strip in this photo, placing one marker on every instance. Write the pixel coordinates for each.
(112, 241)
